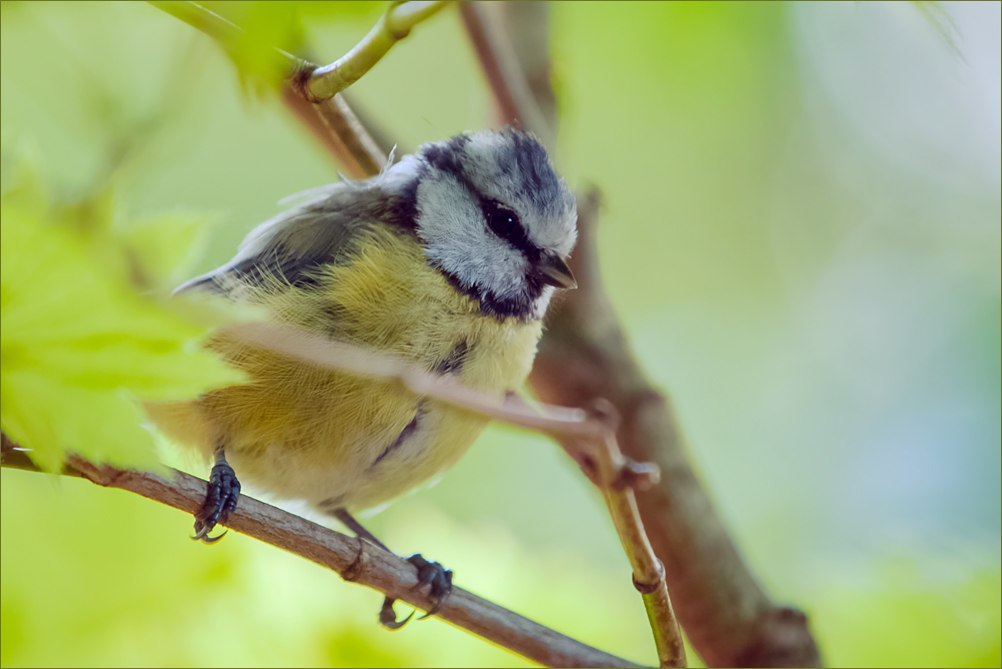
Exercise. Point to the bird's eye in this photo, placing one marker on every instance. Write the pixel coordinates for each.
(501, 220)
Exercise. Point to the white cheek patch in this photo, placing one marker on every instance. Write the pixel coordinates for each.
(457, 240)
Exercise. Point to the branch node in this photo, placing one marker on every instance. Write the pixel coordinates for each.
(636, 475)
(651, 588)
(299, 79)
(96, 474)
(354, 570)
(588, 467)
(605, 412)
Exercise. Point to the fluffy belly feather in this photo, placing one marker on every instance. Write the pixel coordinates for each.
(337, 440)
(340, 440)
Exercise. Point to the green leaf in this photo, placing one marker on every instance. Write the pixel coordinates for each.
(79, 346)
(266, 26)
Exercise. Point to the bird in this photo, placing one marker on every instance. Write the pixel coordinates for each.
(447, 259)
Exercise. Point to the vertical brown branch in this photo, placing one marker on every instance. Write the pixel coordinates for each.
(517, 105)
(585, 356)
(527, 25)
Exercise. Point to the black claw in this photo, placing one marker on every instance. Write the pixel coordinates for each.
(388, 617)
(437, 577)
(431, 574)
(220, 502)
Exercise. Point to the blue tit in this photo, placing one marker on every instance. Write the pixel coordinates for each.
(448, 259)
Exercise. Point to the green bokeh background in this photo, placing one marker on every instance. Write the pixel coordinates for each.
(801, 234)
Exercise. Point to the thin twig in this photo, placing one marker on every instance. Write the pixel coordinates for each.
(355, 162)
(330, 120)
(337, 127)
(394, 25)
(352, 559)
(648, 570)
(586, 438)
(322, 86)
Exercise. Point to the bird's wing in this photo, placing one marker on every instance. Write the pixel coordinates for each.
(292, 246)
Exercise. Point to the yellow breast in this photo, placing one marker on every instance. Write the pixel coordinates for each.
(336, 439)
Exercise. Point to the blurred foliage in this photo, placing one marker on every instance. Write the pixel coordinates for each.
(267, 33)
(801, 236)
(888, 618)
(78, 344)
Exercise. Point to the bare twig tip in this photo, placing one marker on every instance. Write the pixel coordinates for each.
(659, 581)
(605, 412)
(637, 475)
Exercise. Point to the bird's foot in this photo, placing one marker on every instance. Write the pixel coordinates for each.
(431, 574)
(437, 578)
(220, 501)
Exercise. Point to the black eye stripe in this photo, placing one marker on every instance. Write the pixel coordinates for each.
(506, 224)
(500, 219)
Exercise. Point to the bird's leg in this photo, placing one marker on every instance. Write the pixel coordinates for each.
(220, 499)
(431, 574)
(349, 521)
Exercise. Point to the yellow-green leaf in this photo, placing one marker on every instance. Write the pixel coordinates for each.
(79, 345)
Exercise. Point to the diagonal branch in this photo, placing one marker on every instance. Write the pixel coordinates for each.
(352, 559)
(337, 128)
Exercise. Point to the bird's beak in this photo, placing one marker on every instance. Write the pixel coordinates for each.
(556, 272)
